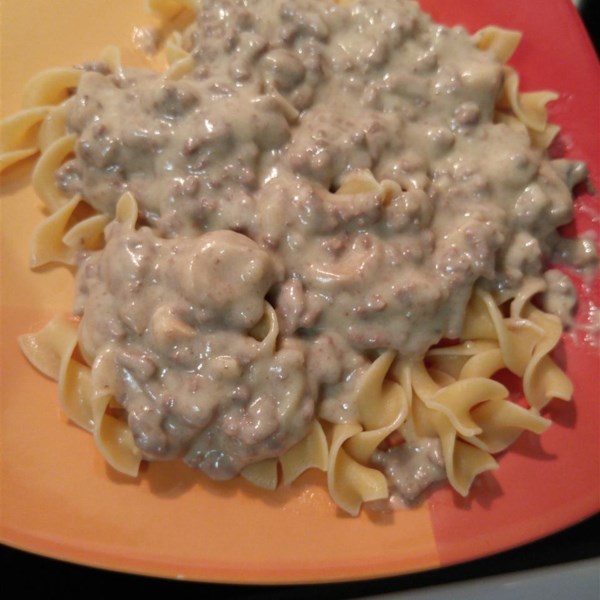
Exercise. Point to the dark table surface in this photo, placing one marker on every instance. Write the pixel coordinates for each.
(51, 578)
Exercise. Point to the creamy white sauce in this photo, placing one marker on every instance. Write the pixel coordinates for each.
(286, 100)
(411, 468)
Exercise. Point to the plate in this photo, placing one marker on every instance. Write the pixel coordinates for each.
(59, 499)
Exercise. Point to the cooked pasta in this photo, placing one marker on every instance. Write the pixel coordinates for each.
(291, 253)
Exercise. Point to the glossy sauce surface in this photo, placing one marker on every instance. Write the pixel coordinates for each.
(255, 175)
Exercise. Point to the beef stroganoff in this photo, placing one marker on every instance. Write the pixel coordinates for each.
(311, 242)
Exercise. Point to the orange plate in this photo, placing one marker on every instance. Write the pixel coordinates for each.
(59, 499)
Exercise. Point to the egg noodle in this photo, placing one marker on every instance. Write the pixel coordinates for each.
(449, 394)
